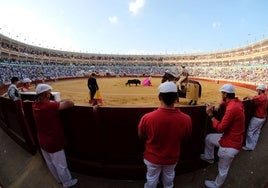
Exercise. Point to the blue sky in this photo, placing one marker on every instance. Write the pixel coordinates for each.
(135, 26)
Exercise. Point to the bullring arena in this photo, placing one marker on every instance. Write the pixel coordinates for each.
(115, 93)
(104, 143)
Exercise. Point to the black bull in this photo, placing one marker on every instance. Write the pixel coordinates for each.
(191, 84)
(134, 81)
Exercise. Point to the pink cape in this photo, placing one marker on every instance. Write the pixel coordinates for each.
(146, 82)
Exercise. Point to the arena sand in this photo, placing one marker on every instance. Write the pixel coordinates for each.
(115, 93)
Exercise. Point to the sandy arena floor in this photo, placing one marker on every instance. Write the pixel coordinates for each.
(115, 93)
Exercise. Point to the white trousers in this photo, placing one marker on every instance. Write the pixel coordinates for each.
(57, 165)
(153, 173)
(253, 132)
(182, 78)
(226, 156)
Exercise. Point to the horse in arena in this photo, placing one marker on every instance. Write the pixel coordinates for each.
(133, 81)
(190, 89)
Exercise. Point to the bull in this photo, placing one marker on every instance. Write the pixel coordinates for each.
(133, 81)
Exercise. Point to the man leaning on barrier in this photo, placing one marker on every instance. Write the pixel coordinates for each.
(260, 103)
(230, 134)
(51, 134)
(13, 91)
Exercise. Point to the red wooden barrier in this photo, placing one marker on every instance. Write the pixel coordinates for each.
(105, 143)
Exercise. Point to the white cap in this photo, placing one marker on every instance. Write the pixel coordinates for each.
(227, 88)
(167, 87)
(42, 88)
(261, 87)
(26, 80)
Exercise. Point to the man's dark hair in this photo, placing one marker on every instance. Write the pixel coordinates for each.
(169, 98)
(14, 79)
(230, 95)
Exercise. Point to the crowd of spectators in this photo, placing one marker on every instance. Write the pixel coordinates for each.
(9, 45)
(252, 72)
(52, 70)
(246, 64)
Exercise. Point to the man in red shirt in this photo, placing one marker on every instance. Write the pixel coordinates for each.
(163, 131)
(230, 137)
(51, 134)
(258, 119)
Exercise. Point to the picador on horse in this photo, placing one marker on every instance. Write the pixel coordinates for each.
(187, 88)
(183, 77)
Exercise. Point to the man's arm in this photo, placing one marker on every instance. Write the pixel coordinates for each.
(89, 83)
(141, 131)
(96, 84)
(66, 104)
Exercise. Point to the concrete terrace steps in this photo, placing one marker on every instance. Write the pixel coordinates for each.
(19, 169)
